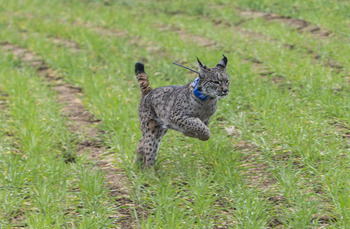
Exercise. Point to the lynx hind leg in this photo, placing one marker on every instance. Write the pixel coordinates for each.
(148, 146)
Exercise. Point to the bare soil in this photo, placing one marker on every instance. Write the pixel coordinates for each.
(202, 41)
(132, 40)
(66, 44)
(3, 100)
(103, 31)
(298, 24)
(342, 129)
(257, 172)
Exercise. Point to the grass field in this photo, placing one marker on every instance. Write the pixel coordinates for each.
(278, 156)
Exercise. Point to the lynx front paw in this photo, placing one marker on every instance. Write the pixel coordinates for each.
(201, 136)
(204, 138)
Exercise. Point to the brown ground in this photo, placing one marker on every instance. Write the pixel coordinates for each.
(3, 99)
(103, 31)
(82, 122)
(298, 24)
(201, 41)
(66, 44)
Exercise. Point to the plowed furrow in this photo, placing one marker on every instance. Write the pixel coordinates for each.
(298, 24)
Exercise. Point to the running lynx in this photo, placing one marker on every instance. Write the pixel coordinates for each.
(185, 108)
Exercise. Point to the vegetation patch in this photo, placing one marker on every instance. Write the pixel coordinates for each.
(279, 150)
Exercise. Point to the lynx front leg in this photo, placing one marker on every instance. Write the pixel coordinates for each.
(148, 146)
(193, 127)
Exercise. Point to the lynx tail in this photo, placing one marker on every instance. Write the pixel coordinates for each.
(142, 78)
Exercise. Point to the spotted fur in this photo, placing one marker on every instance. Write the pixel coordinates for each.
(177, 108)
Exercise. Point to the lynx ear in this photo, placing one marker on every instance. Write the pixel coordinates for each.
(201, 67)
(223, 63)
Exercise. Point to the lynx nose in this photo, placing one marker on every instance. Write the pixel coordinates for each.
(225, 91)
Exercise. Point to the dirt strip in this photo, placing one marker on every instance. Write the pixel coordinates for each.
(298, 24)
(342, 129)
(101, 30)
(74, 47)
(3, 100)
(258, 173)
(152, 49)
(201, 41)
(81, 123)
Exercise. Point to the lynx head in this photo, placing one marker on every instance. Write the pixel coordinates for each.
(214, 81)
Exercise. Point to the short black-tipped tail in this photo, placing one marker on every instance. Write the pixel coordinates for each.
(142, 78)
(139, 68)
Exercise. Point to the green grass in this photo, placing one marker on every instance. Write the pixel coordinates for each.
(38, 188)
(290, 129)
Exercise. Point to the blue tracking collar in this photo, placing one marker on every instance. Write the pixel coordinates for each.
(199, 94)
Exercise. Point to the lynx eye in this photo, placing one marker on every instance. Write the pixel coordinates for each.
(215, 82)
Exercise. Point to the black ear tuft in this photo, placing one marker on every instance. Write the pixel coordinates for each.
(200, 63)
(224, 59)
(139, 68)
(223, 62)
